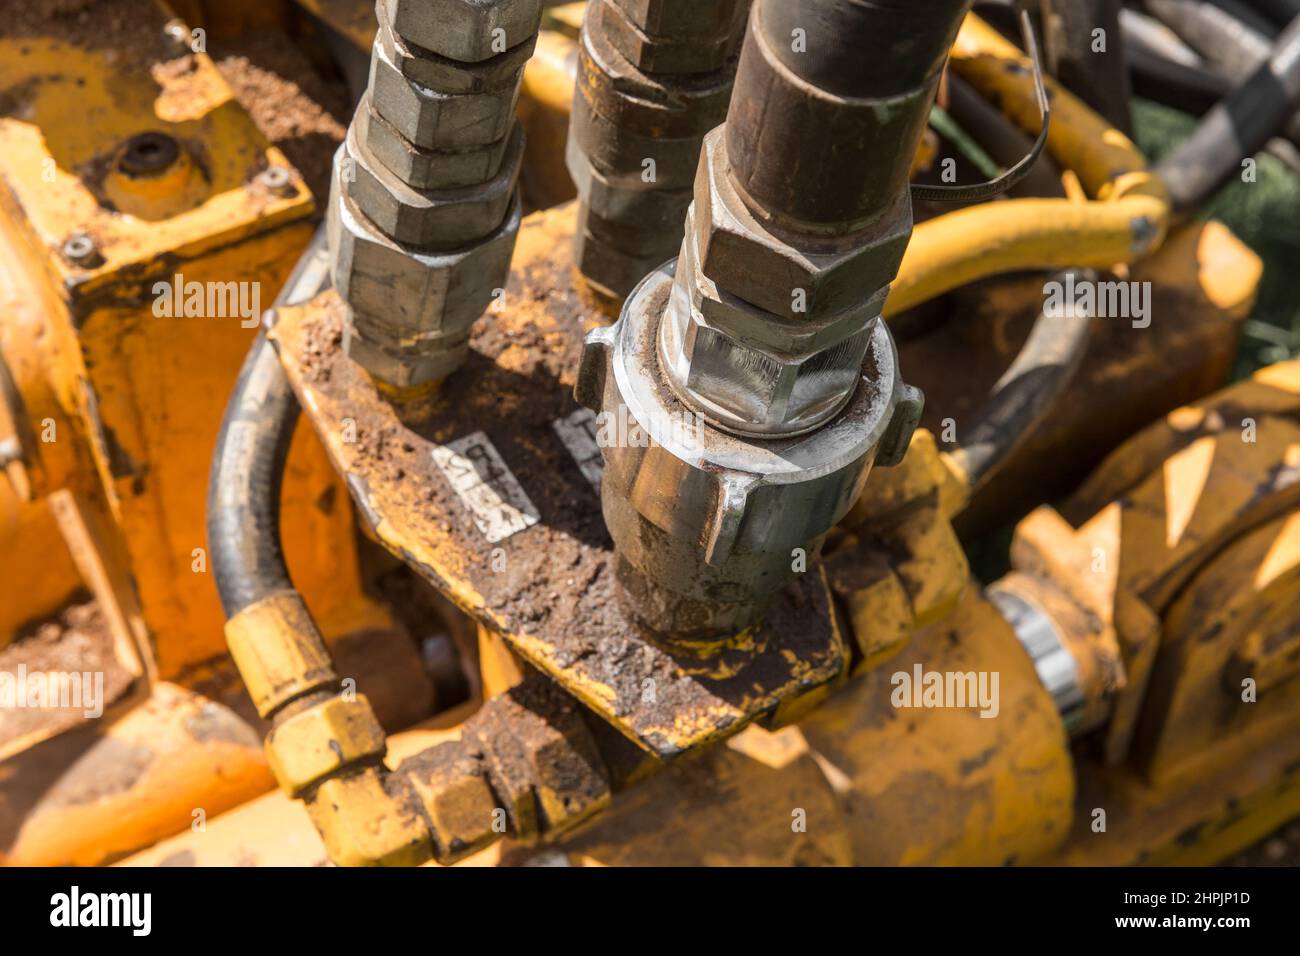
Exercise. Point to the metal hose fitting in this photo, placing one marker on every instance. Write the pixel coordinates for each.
(757, 363)
(653, 77)
(424, 206)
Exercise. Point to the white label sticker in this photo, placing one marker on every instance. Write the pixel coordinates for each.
(578, 432)
(479, 475)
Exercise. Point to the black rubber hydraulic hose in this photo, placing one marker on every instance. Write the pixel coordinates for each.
(1027, 390)
(248, 464)
(830, 100)
(1197, 91)
(864, 48)
(1237, 127)
(1214, 33)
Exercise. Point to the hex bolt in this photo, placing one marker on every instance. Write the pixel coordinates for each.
(277, 179)
(80, 250)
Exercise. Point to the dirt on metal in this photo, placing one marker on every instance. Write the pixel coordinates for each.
(295, 107)
(72, 644)
(114, 26)
(550, 588)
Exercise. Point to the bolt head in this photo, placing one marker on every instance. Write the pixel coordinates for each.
(80, 250)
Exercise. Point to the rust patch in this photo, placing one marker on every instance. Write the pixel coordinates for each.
(550, 588)
(297, 109)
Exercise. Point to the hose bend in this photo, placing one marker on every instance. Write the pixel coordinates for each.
(1237, 127)
(1024, 234)
(248, 464)
(1025, 392)
(244, 486)
(1126, 220)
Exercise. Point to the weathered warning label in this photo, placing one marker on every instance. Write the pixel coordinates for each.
(478, 473)
(578, 432)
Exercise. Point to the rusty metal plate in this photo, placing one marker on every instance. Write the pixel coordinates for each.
(483, 496)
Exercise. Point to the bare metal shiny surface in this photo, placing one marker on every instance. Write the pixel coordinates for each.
(709, 524)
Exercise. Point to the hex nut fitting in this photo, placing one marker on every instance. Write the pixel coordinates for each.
(411, 308)
(436, 120)
(429, 359)
(453, 789)
(467, 30)
(749, 373)
(608, 267)
(432, 219)
(679, 53)
(437, 72)
(745, 257)
(757, 327)
(681, 18)
(307, 746)
(427, 168)
(643, 206)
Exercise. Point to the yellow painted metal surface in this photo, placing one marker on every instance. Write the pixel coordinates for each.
(858, 780)
(1188, 534)
(136, 396)
(87, 797)
(121, 397)
(944, 785)
(28, 528)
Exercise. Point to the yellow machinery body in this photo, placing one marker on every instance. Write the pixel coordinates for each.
(1175, 568)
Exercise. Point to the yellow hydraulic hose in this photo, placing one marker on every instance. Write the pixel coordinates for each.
(1125, 221)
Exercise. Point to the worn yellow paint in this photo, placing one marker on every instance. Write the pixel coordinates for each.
(1185, 475)
(136, 398)
(133, 782)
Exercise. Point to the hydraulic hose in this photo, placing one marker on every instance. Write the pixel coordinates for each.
(1245, 13)
(1236, 127)
(1197, 91)
(859, 74)
(1191, 89)
(1026, 391)
(1125, 222)
(983, 241)
(1149, 34)
(1004, 141)
(1213, 32)
(869, 49)
(248, 465)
